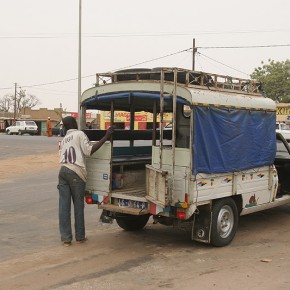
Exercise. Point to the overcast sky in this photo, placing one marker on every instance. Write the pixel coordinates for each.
(39, 40)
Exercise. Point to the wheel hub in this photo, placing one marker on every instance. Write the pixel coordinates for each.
(225, 221)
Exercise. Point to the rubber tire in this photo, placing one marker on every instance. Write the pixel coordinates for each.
(132, 222)
(224, 210)
(9, 133)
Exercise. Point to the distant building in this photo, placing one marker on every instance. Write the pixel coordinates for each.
(6, 119)
(40, 116)
(142, 120)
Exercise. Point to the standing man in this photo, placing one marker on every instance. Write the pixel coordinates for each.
(72, 178)
(48, 127)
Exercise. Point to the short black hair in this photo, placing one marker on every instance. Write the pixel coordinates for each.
(69, 122)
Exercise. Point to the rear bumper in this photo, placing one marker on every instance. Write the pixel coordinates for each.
(128, 210)
(29, 131)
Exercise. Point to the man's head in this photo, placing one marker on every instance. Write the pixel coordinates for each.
(69, 122)
(48, 118)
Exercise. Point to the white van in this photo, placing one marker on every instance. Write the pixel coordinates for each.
(22, 127)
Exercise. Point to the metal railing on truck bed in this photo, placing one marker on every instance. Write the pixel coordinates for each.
(185, 77)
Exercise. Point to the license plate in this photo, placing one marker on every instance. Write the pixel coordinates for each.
(132, 203)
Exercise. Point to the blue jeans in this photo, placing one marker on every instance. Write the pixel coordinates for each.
(71, 187)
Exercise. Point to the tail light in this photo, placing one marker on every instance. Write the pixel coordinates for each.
(89, 199)
(180, 213)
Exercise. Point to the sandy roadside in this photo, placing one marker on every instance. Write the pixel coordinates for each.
(14, 167)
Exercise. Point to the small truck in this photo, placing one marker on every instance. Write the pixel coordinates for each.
(219, 160)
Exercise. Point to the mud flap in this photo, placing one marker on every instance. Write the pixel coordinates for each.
(105, 218)
(202, 225)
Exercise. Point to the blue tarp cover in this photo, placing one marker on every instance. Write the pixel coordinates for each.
(231, 140)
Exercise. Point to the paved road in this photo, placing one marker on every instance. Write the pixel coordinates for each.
(28, 214)
(14, 145)
(29, 201)
(159, 257)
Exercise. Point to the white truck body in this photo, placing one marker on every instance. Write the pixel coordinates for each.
(185, 183)
(283, 129)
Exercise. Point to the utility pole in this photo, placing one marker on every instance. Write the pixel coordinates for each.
(15, 96)
(194, 50)
(80, 65)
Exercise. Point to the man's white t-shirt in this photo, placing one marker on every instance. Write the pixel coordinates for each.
(74, 146)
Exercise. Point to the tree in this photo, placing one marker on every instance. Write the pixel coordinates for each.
(6, 103)
(26, 101)
(275, 79)
(23, 100)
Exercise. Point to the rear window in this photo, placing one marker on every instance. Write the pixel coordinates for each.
(30, 123)
(285, 127)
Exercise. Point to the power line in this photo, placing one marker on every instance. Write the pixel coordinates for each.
(74, 79)
(29, 37)
(222, 63)
(162, 57)
(247, 46)
(118, 35)
(8, 88)
(161, 34)
(56, 82)
(154, 59)
(53, 91)
(50, 83)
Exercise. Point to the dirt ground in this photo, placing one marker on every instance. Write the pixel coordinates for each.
(13, 167)
(158, 257)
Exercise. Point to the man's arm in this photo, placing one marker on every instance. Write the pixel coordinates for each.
(99, 144)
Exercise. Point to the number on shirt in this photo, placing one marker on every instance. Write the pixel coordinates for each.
(70, 155)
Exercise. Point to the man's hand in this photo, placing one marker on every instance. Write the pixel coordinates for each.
(107, 136)
(109, 132)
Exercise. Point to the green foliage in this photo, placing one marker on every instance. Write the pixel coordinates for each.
(275, 78)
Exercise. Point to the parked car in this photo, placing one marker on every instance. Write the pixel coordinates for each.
(22, 127)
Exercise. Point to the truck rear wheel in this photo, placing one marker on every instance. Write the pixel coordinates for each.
(224, 222)
(132, 222)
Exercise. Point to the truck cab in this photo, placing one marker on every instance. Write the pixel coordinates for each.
(283, 129)
(282, 165)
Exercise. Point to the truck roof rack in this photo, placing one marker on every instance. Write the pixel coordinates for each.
(185, 77)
